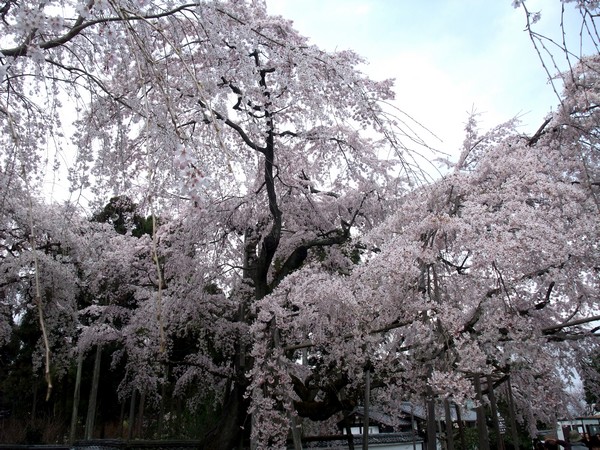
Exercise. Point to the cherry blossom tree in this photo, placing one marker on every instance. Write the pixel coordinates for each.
(39, 285)
(264, 151)
(292, 249)
(67, 286)
(491, 271)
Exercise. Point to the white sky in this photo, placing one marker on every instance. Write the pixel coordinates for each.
(448, 56)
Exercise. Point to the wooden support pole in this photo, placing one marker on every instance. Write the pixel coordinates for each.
(461, 427)
(412, 427)
(431, 435)
(365, 445)
(140, 418)
(511, 413)
(494, 408)
(484, 443)
(131, 414)
(76, 395)
(449, 427)
(296, 436)
(91, 413)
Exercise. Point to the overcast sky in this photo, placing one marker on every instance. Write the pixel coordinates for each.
(447, 56)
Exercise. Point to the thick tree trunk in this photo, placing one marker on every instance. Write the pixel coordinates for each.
(91, 413)
(229, 432)
(235, 423)
(76, 395)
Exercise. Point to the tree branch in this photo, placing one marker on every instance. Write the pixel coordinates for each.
(555, 328)
(538, 134)
(81, 25)
(238, 129)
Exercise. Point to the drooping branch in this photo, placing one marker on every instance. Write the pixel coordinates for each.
(80, 25)
(97, 82)
(234, 126)
(389, 327)
(314, 190)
